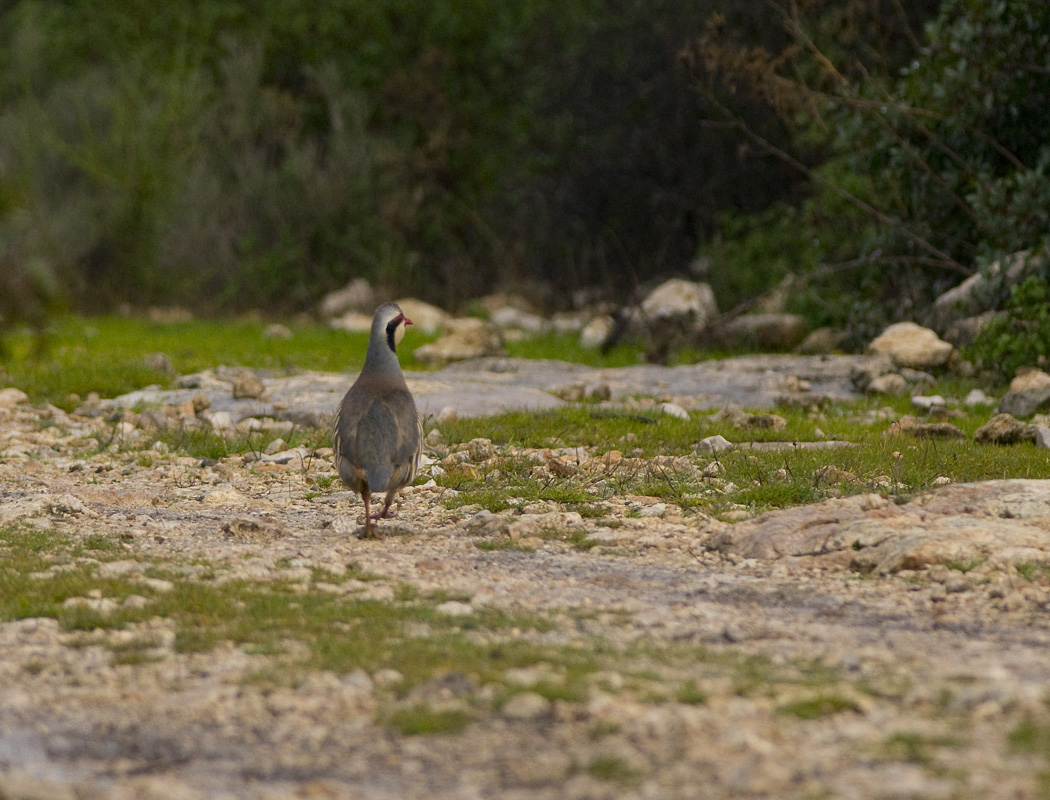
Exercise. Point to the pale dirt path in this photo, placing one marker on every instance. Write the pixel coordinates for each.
(936, 675)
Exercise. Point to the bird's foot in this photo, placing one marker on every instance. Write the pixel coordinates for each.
(369, 530)
(386, 513)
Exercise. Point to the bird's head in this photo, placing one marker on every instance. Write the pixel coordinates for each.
(393, 320)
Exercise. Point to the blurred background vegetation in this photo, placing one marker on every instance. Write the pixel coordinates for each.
(226, 155)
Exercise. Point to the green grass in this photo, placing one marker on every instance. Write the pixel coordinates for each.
(758, 480)
(496, 545)
(690, 694)
(421, 719)
(916, 748)
(614, 769)
(566, 347)
(341, 633)
(822, 705)
(107, 354)
(1034, 571)
(1032, 737)
(204, 442)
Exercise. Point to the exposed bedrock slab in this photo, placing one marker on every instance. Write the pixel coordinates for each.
(998, 521)
(496, 385)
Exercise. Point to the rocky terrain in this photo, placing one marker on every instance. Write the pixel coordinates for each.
(856, 648)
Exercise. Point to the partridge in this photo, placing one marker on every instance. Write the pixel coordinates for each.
(378, 435)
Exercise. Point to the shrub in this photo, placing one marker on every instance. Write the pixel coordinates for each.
(1020, 336)
(945, 156)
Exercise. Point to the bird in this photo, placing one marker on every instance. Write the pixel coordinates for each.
(378, 434)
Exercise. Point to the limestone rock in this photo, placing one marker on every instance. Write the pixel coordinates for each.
(595, 333)
(764, 331)
(500, 300)
(681, 298)
(159, 362)
(822, 341)
(352, 322)
(963, 332)
(464, 339)
(911, 345)
(957, 523)
(971, 298)
(1004, 429)
(569, 321)
(248, 385)
(861, 375)
(11, 397)
(356, 296)
(891, 383)
(976, 397)
(1028, 391)
(277, 332)
(426, 318)
(1029, 379)
(714, 444)
(924, 430)
(1041, 435)
(63, 505)
(527, 706)
(516, 319)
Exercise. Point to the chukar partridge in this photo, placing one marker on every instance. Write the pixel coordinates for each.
(378, 434)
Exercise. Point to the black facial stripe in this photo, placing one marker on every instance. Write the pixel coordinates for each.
(391, 329)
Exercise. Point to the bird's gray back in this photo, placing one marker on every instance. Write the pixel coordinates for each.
(378, 433)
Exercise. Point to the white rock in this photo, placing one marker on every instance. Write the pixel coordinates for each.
(116, 569)
(714, 444)
(527, 705)
(595, 332)
(890, 383)
(911, 345)
(464, 339)
(296, 454)
(924, 403)
(674, 410)
(977, 398)
(158, 584)
(510, 317)
(352, 322)
(1042, 435)
(454, 608)
(1029, 379)
(100, 605)
(609, 536)
(385, 678)
(679, 298)
(11, 397)
(426, 318)
(221, 421)
(226, 496)
(355, 296)
(277, 332)
(568, 321)
(655, 510)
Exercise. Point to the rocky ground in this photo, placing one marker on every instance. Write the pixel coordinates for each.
(852, 649)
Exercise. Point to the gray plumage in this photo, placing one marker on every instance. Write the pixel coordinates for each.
(378, 435)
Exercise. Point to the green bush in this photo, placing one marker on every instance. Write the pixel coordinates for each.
(944, 151)
(1019, 337)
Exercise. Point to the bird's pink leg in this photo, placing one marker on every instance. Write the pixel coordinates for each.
(385, 513)
(370, 528)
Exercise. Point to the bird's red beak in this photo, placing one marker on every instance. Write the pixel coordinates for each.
(406, 320)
